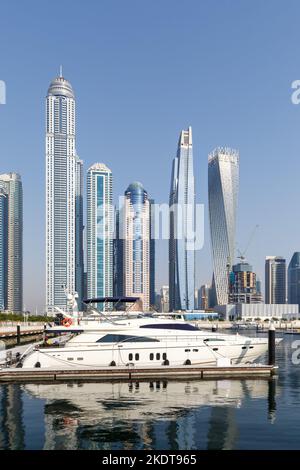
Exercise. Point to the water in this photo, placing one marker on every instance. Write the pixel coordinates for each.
(217, 414)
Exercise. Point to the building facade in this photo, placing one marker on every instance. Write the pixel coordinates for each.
(223, 185)
(294, 279)
(243, 285)
(275, 280)
(204, 297)
(64, 217)
(135, 233)
(3, 248)
(100, 232)
(164, 299)
(11, 242)
(182, 227)
(259, 311)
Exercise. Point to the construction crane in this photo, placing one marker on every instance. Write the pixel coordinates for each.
(242, 254)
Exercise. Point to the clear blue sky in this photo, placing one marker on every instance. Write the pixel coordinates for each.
(142, 70)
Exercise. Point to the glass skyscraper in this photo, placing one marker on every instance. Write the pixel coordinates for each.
(182, 225)
(275, 280)
(64, 218)
(135, 232)
(11, 242)
(223, 185)
(294, 279)
(99, 232)
(3, 248)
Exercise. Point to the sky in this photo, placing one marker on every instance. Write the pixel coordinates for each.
(143, 70)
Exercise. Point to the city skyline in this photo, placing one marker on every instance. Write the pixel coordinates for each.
(130, 95)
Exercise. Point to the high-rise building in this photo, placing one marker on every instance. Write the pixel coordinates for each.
(223, 184)
(64, 219)
(11, 242)
(275, 280)
(182, 226)
(3, 248)
(294, 279)
(134, 226)
(152, 255)
(204, 297)
(99, 232)
(243, 285)
(164, 299)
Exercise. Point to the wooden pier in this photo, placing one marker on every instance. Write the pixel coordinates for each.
(136, 373)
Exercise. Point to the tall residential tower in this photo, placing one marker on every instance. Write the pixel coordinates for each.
(11, 242)
(64, 220)
(99, 232)
(275, 280)
(135, 249)
(223, 184)
(182, 226)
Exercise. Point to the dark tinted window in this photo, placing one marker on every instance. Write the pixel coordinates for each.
(151, 357)
(137, 357)
(130, 357)
(171, 326)
(164, 356)
(157, 356)
(110, 338)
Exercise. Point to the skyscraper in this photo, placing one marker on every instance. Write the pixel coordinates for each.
(11, 242)
(152, 255)
(134, 226)
(275, 280)
(294, 279)
(182, 225)
(3, 247)
(223, 184)
(99, 232)
(64, 245)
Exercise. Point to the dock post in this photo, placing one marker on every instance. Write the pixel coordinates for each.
(44, 333)
(271, 345)
(18, 334)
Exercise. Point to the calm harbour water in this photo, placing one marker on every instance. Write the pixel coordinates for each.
(222, 414)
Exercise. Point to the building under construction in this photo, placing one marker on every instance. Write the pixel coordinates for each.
(243, 285)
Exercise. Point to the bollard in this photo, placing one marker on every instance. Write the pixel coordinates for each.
(271, 345)
(18, 335)
(214, 328)
(44, 333)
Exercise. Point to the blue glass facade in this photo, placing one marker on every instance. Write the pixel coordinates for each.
(182, 225)
(294, 279)
(137, 196)
(99, 232)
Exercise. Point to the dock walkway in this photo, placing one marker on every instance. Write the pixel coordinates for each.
(126, 373)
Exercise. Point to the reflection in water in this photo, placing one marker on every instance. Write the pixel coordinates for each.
(143, 415)
(11, 418)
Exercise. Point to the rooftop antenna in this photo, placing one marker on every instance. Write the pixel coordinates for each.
(60, 71)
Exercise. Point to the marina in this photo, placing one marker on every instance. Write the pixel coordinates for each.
(190, 413)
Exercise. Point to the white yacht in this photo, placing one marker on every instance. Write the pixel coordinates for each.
(144, 341)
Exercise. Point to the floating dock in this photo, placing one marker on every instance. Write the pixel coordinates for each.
(126, 373)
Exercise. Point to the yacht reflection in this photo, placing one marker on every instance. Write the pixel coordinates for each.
(143, 415)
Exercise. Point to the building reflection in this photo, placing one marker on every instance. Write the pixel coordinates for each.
(12, 431)
(157, 415)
